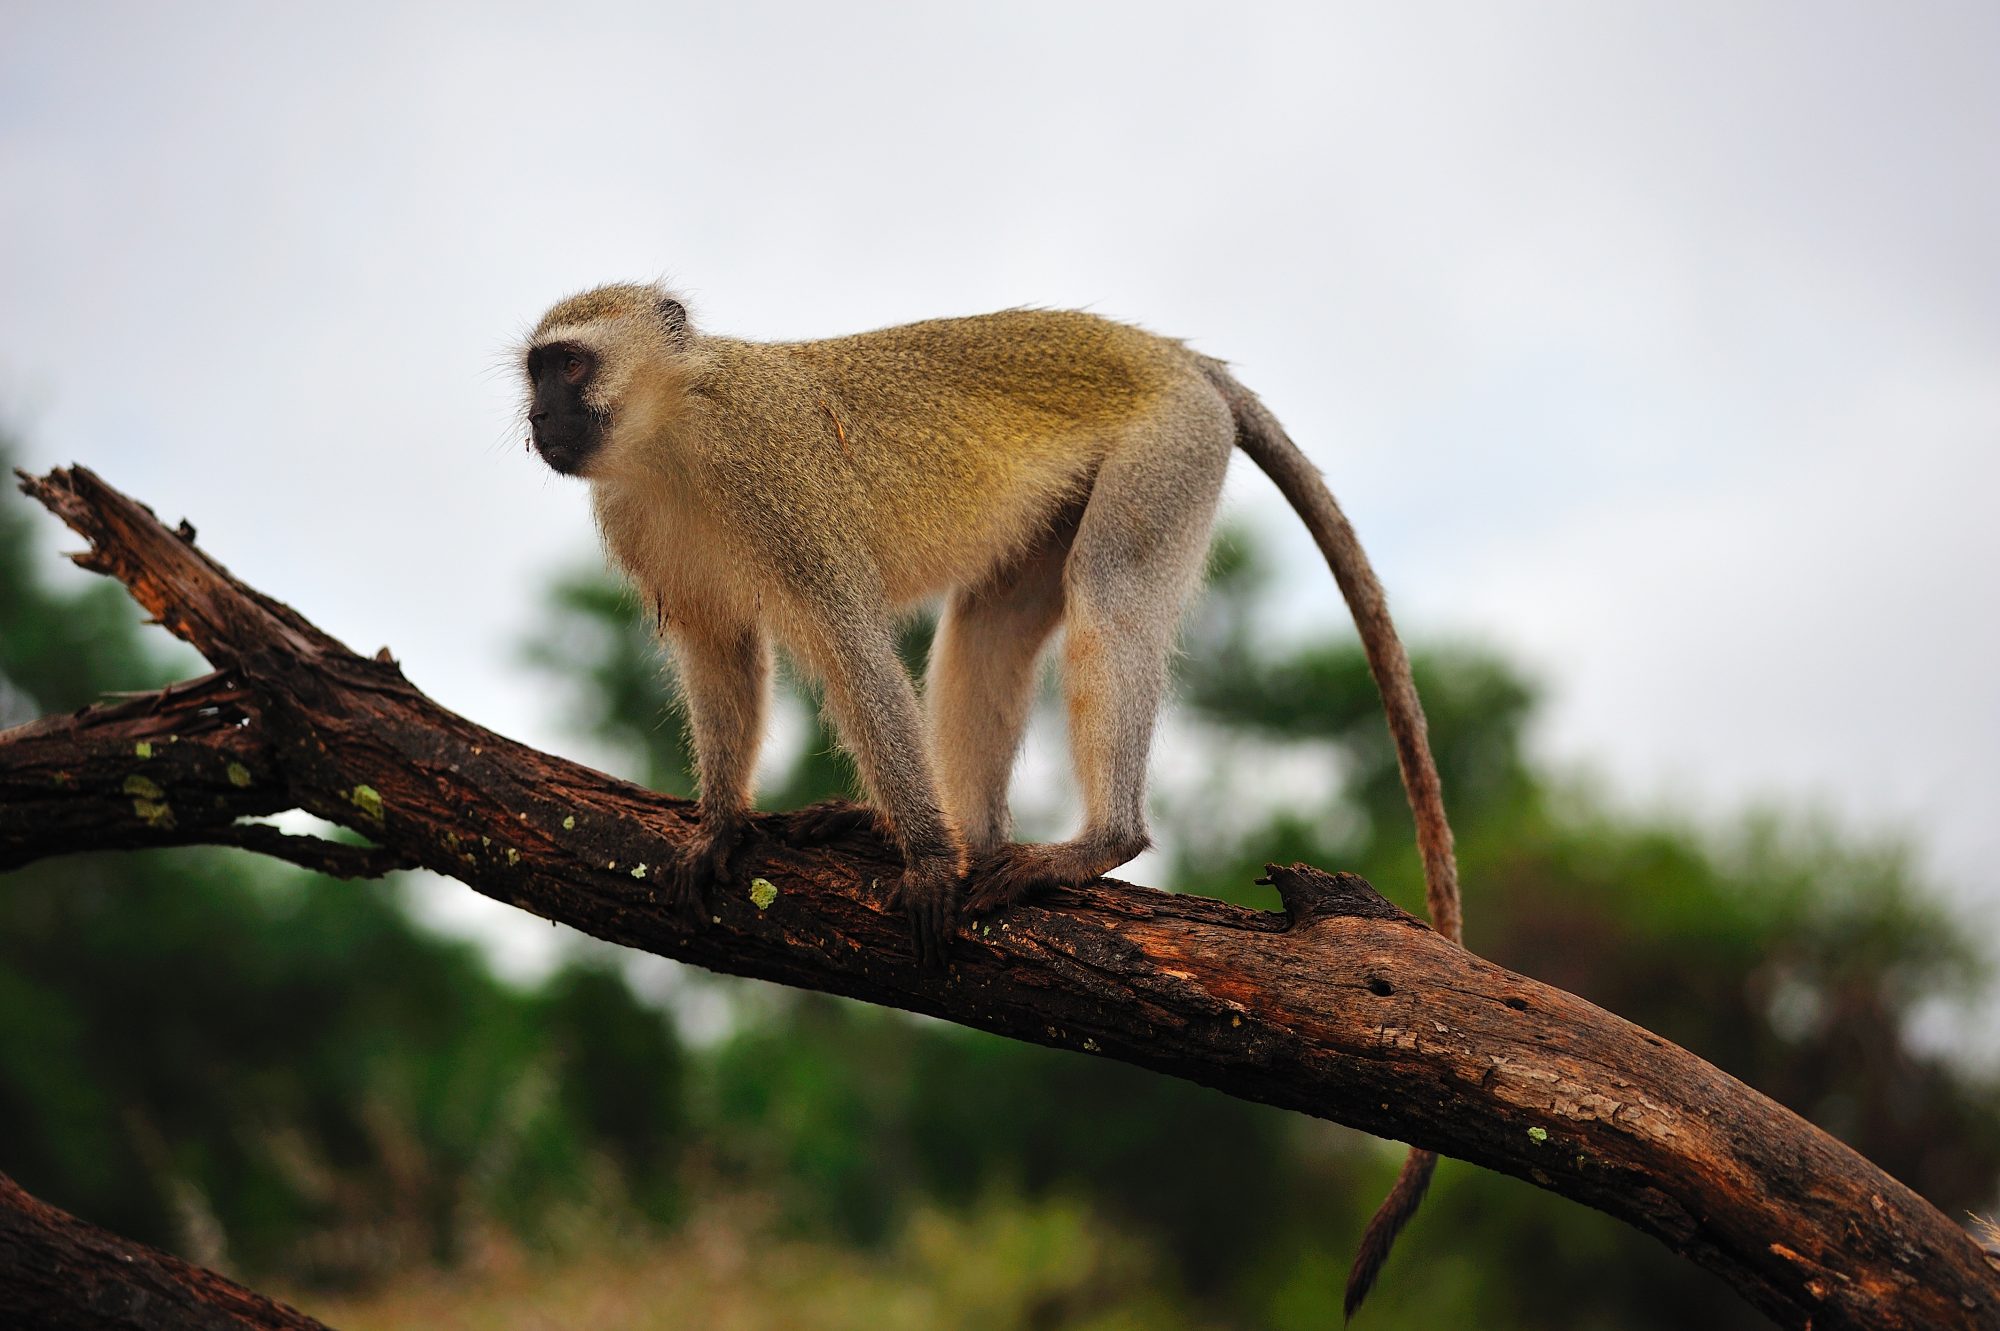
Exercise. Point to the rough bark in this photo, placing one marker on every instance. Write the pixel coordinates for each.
(58, 1273)
(1341, 1006)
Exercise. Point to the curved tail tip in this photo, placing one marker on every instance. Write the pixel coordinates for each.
(1383, 1227)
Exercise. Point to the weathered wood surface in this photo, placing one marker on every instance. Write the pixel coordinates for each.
(1342, 1006)
(58, 1273)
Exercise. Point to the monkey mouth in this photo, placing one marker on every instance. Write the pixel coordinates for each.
(565, 459)
(568, 442)
(567, 452)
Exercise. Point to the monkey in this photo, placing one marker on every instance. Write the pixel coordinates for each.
(1033, 468)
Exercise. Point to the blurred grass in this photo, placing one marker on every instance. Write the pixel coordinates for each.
(1004, 1264)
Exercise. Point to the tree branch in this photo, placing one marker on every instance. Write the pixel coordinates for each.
(59, 1273)
(1342, 1007)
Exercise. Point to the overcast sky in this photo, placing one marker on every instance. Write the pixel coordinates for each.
(1653, 343)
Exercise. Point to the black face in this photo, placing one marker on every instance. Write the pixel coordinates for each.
(566, 430)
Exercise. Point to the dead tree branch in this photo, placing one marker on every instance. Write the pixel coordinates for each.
(1342, 1006)
(58, 1273)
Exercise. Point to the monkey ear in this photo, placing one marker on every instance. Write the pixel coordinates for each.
(675, 316)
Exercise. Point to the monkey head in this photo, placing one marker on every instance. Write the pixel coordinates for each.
(598, 365)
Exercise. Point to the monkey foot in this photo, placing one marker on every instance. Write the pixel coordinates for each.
(1016, 873)
(830, 820)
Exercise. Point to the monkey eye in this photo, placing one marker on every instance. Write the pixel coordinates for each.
(574, 368)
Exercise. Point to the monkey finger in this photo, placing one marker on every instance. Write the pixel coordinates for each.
(929, 932)
(927, 902)
(910, 902)
(687, 891)
(718, 860)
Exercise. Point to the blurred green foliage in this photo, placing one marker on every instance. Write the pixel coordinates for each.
(273, 1072)
(284, 1076)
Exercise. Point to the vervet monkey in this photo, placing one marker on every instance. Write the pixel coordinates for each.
(1032, 468)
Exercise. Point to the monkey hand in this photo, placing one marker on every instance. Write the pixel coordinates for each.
(707, 861)
(928, 894)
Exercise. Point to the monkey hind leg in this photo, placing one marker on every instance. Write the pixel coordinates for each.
(1136, 558)
(1114, 675)
(981, 686)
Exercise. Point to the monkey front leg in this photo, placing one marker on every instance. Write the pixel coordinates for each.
(874, 707)
(725, 677)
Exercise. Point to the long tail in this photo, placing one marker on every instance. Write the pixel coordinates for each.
(1260, 436)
